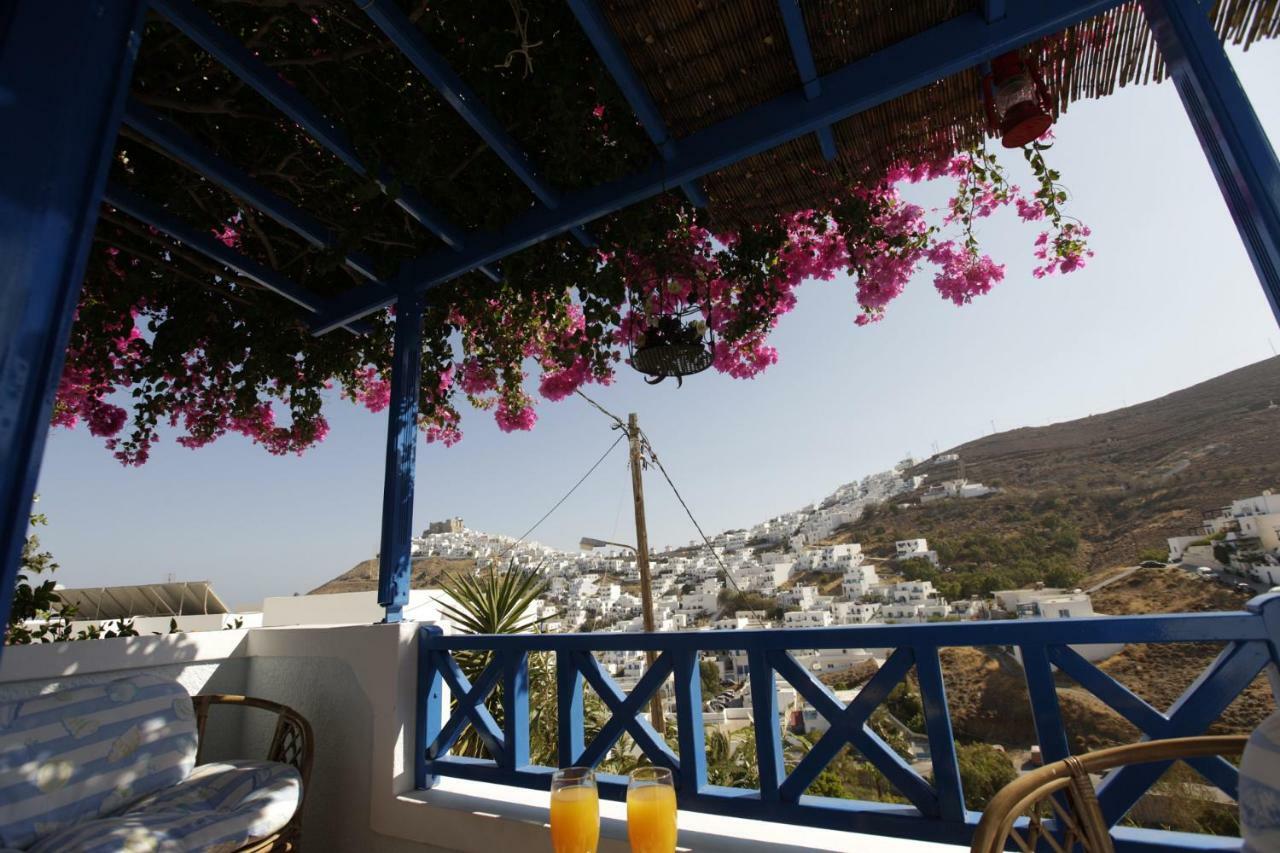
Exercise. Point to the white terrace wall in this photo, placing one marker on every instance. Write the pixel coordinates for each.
(355, 684)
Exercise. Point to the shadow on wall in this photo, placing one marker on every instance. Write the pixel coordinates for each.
(197, 661)
(209, 662)
(327, 692)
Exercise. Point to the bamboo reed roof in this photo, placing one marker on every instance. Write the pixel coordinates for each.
(706, 60)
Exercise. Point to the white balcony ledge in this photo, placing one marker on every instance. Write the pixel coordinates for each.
(476, 816)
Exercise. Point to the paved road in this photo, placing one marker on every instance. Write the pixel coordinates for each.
(1115, 578)
(1258, 586)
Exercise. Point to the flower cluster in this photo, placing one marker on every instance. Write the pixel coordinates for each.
(481, 345)
(1066, 251)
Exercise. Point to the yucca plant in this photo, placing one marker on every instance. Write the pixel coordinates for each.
(497, 602)
(494, 602)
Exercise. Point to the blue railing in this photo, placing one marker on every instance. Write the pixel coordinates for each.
(937, 812)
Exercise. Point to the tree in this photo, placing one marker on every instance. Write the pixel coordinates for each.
(731, 759)
(38, 614)
(165, 336)
(733, 600)
(984, 770)
(918, 569)
(905, 704)
(710, 673)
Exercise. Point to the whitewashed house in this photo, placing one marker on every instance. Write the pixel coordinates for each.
(858, 581)
(806, 619)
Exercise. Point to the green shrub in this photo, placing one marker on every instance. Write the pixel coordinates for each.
(984, 770)
(904, 703)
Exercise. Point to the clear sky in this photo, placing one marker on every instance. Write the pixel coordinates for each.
(1170, 300)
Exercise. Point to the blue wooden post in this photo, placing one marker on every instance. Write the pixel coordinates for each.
(430, 715)
(692, 738)
(395, 564)
(64, 70)
(569, 720)
(1237, 147)
(764, 706)
(515, 703)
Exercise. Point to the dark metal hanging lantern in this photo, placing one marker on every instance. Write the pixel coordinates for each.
(1018, 107)
(676, 345)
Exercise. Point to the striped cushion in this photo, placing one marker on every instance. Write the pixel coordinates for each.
(219, 807)
(76, 754)
(1260, 788)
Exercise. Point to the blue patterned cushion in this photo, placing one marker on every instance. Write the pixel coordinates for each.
(76, 754)
(1260, 788)
(219, 807)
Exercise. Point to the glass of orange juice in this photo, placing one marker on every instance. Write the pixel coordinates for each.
(575, 811)
(651, 811)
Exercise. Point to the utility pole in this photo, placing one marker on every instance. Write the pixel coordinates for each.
(642, 560)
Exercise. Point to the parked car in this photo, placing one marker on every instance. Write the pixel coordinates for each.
(1151, 564)
(1243, 587)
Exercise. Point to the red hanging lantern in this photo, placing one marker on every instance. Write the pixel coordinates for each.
(1018, 107)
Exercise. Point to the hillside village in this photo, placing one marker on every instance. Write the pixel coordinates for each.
(1064, 506)
(789, 572)
(783, 572)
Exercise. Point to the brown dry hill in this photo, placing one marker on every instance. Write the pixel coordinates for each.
(427, 572)
(987, 694)
(1120, 482)
(1219, 433)
(1159, 672)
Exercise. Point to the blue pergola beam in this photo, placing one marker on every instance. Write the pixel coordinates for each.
(614, 57)
(939, 52)
(182, 147)
(1239, 153)
(63, 78)
(405, 35)
(240, 61)
(798, 36)
(157, 217)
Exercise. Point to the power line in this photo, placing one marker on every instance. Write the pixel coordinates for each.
(619, 423)
(654, 456)
(557, 504)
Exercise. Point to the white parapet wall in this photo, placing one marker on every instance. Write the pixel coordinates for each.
(349, 608)
(355, 684)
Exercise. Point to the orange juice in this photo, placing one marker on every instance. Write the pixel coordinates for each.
(651, 818)
(575, 820)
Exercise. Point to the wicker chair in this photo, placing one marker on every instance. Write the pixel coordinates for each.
(1078, 815)
(292, 743)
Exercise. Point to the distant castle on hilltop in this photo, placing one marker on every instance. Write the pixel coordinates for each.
(449, 525)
